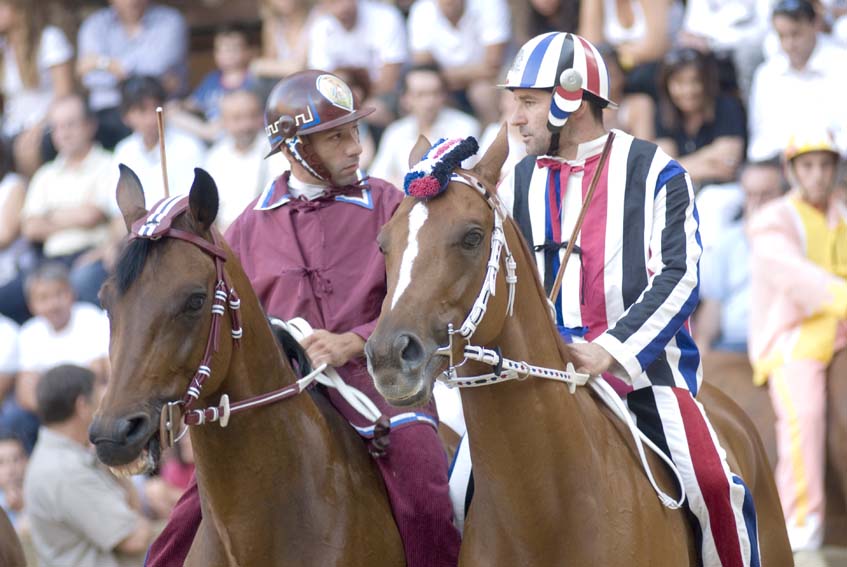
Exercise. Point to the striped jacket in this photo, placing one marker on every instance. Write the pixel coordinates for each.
(633, 279)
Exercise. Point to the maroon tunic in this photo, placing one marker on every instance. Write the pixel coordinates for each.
(319, 260)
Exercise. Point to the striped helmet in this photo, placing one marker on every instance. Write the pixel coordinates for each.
(565, 63)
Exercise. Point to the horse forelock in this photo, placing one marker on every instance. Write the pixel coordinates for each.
(131, 263)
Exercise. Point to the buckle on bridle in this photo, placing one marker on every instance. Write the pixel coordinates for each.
(169, 422)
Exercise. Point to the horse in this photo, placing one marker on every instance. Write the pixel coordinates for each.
(557, 480)
(286, 483)
(11, 550)
(732, 373)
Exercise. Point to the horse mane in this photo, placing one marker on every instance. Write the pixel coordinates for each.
(131, 263)
(293, 351)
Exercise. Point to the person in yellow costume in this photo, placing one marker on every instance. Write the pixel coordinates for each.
(799, 321)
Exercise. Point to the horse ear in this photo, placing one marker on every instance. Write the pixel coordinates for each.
(203, 198)
(421, 147)
(130, 196)
(489, 166)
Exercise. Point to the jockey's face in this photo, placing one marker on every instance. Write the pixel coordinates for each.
(338, 150)
(814, 174)
(529, 117)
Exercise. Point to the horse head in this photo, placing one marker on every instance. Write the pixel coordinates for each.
(158, 300)
(437, 247)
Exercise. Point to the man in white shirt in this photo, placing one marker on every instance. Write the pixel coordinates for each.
(468, 39)
(803, 86)
(425, 97)
(140, 150)
(236, 162)
(66, 207)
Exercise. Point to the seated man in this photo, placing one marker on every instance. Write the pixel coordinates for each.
(799, 321)
(722, 318)
(13, 461)
(80, 514)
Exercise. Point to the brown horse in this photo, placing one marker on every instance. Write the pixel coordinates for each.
(283, 484)
(731, 372)
(556, 479)
(11, 551)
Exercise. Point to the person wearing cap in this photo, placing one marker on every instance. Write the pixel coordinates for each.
(308, 246)
(799, 321)
(633, 282)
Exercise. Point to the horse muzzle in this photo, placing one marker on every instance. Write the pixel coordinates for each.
(128, 445)
(401, 364)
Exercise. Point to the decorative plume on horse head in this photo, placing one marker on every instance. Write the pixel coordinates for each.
(430, 176)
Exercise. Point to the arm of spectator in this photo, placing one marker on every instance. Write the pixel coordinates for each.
(655, 42)
(136, 542)
(718, 161)
(160, 496)
(10, 215)
(93, 62)
(707, 324)
(641, 112)
(668, 146)
(25, 389)
(7, 380)
(460, 77)
(591, 20)
(63, 79)
(40, 227)
(208, 131)
(389, 76)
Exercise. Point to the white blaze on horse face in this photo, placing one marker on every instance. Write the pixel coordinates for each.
(417, 218)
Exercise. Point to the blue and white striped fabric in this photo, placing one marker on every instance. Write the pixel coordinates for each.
(399, 421)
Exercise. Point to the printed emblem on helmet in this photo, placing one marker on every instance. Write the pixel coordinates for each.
(335, 91)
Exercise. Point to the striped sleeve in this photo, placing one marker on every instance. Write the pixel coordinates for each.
(672, 241)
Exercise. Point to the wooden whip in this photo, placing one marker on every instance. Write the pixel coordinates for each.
(607, 148)
(160, 117)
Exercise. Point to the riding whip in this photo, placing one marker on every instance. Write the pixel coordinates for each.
(607, 147)
(160, 118)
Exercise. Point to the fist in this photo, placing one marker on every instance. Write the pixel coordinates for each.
(332, 349)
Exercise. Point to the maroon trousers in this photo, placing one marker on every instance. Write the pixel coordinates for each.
(414, 470)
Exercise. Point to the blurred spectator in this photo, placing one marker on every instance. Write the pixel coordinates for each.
(467, 39)
(200, 113)
(160, 493)
(544, 16)
(800, 88)
(640, 31)
(424, 97)
(799, 321)
(703, 129)
(236, 162)
(285, 37)
(13, 460)
(80, 514)
(517, 148)
(722, 319)
(66, 205)
(140, 151)
(733, 30)
(60, 332)
(835, 15)
(366, 34)
(15, 253)
(359, 81)
(636, 112)
(131, 37)
(36, 69)
(11, 420)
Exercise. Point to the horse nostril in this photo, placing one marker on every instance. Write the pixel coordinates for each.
(410, 349)
(132, 429)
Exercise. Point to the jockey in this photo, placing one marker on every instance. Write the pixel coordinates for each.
(626, 299)
(308, 246)
(799, 321)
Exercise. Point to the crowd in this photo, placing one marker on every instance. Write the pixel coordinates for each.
(727, 87)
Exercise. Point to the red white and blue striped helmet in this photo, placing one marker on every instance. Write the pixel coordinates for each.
(565, 63)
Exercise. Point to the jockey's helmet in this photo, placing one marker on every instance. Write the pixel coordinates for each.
(566, 64)
(808, 141)
(305, 103)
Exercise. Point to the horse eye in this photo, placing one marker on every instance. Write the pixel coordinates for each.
(195, 302)
(472, 239)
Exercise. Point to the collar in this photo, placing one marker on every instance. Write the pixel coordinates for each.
(62, 161)
(277, 194)
(584, 151)
(50, 438)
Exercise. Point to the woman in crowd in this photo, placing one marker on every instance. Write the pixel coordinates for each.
(285, 32)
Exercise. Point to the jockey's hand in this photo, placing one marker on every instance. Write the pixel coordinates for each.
(589, 358)
(334, 350)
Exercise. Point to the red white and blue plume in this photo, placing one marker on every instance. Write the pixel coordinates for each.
(430, 176)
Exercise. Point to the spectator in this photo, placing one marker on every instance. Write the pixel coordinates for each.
(67, 206)
(799, 321)
(15, 252)
(36, 69)
(80, 515)
(806, 79)
(640, 31)
(424, 96)
(60, 332)
(140, 151)
(359, 81)
(10, 413)
(544, 16)
(722, 319)
(131, 37)
(285, 33)
(236, 162)
(160, 493)
(13, 460)
(365, 34)
(467, 39)
(703, 129)
(200, 113)
(635, 112)
(517, 148)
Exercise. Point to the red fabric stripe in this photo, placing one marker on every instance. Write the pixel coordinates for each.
(593, 244)
(710, 473)
(593, 79)
(568, 95)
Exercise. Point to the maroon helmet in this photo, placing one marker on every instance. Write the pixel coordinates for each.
(305, 103)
